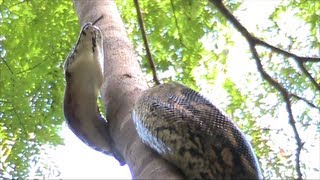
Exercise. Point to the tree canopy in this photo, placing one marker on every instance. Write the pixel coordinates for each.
(263, 72)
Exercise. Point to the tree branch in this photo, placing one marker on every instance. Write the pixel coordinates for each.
(253, 42)
(146, 43)
(249, 37)
(286, 97)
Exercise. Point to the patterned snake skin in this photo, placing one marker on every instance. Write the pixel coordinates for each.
(190, 132)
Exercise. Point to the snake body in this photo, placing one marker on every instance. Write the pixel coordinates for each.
(175, 121)
(84, 77)
(190, 132)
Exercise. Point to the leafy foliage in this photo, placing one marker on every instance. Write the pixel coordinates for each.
(35, 37)
(191, 42)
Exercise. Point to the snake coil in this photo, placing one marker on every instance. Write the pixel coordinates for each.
(190, 132)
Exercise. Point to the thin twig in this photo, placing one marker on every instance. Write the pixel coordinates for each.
(35, 66)
(305, 100)
(146, 43)
(5, 62)
(286, 53)
(20, 122)
(19, 3)
(177, 25)
(306, 72)
(97, 20)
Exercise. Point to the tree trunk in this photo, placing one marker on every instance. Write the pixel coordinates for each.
(123, 83)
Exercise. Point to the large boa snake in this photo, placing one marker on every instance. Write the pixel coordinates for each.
(172, 119)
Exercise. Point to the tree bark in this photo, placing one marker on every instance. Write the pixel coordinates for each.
(123, 84)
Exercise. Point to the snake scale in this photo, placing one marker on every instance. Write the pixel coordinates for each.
(172, 119)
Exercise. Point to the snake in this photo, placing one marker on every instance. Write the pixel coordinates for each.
(178, 123)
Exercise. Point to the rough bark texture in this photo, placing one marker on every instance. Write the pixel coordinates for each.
(123, 84)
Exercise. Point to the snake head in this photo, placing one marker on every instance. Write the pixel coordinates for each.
(87, 52)
(84, 64)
